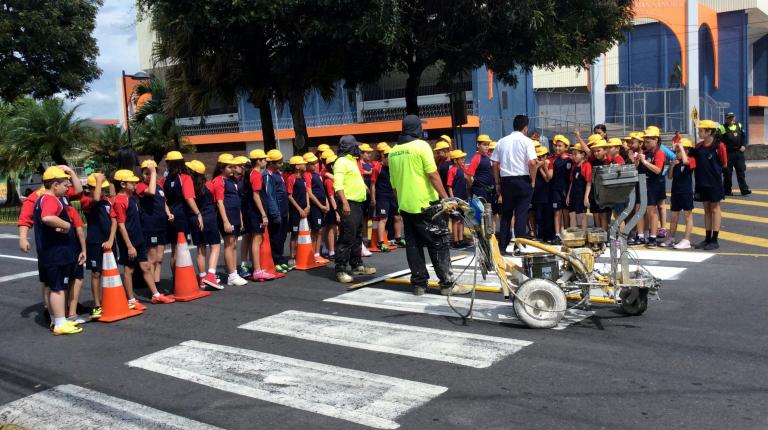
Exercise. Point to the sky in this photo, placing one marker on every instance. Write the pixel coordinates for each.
(116, 36)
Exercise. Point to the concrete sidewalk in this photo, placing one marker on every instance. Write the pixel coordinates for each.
(757, 164)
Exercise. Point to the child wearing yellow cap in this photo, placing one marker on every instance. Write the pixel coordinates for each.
(180, 197)
(457, 187)
(255, 218)
(560, 167)
(155, 215)
(711, 157)
(298, 197)
(226, 195)
(581, 184)
(97, 207)
(208, 239)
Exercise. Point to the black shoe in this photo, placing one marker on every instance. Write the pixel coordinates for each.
(701, 245)
(557, 241)
(746, 193)
(711, 246)
(651, 243)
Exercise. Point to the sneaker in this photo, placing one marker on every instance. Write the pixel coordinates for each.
(244, 270)
(344, 277)
(662, 233)
(331, 257)
(392, 243)
(460, 290)
(557, 241)
(66, 328)
(400, 242)
(651, 243)
(419, 291)
(96, 312)
(291, 264)
(640, 241)
(162, 299)
(281, 268)
(363, 270)
(320, 260)
(76, 320)
(383, 247)
(365, 252)
(683, 244)
(210, 281)
(136, 305)
(746, 193)
(711, 246)
(235, 280)
(667, 243)
(701, 244)
(262, 275)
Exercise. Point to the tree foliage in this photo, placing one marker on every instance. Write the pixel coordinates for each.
(47, 47)
(154, 130)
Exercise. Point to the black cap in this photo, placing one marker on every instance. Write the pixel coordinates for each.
(347, 144)
(730, 115)
(412, 126)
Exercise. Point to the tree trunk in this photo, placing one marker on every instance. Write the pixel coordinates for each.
(58, 157)
(412, 89)
(296, 104)
(12, 195)
(267, 124)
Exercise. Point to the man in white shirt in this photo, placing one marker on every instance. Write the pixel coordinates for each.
(514, 167)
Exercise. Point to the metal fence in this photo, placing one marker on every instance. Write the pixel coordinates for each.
(637, 108)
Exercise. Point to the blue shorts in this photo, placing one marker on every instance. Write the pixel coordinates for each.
(209, 236)
(709, 194)
(656, 193)
(122, 252)
(330, 218)
(156, 238)
(316, 218)
(56, 277)
(252, 222)
(94, 256)
(681, 202)
(293, 221)
(558, 198)
(79, 271)
(577, 204)
(387, 207)
(236, 231)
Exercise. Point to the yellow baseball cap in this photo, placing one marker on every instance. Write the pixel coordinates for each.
(492, 145)
(484, 138)
(310, 157)
(652, 131)
(54, 172)
(614, 141)
(442, 145)
(296, 159)
(322, 148)
(707, 123)
(257, 154)
(686, 143)
(174, 156)
(147, 163)
(381, 146)
(240, 160)
(327, 153)
(125, 175)
(561, 138)
(541, 151)
(331, 158)
(365, 147)
(226, 159)
(91, 181)
(196, 166)
(274, 155)
(457, 153)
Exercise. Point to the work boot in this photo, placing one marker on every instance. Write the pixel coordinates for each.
(419, 290)
(363, 270)
(460, 290)
(344, 277)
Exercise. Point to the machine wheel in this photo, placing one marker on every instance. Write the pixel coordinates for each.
(540, 303)
(637, 303)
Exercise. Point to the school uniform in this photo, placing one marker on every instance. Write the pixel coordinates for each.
(226, 190)
(210, 233)
(330, 216)
(98, 215)
(154, 220)
(682, 186)
(275, 196)
(561, 180)
(458, 181)
(177, 189)
(297, 188)
(316, 216)
(580, 176)
(126, 211)
(252, 219)
(542, 208)
(386, 202)
(56, 252)
(618, 160)
(366, 170)
(483, 183)
(593, 206)
(709, 172)
(77, 222)
(656, 182)
(442, 169)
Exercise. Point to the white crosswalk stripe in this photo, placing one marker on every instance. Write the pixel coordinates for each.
(441, 345)
(360, 397)
(484, 310)
(70, 406)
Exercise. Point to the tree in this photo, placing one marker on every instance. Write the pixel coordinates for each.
(48, 130)
(47, 47)
(104, 145)
(154, 130)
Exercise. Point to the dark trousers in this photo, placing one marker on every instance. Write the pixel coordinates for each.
(516, 193)
(350, 243)
(278, 232)
(544, 216)
(735, 161)
(423, 231)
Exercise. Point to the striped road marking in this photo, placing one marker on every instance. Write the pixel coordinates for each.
(16, 257)
(671, 255)
(18, 276)
(360, 397)
(70, 406)
(484, 310)
(441, 345)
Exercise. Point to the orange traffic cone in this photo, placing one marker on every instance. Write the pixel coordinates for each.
(374, 244)
(114, 302)
(305, 255)
(265, 257)
(185, 283)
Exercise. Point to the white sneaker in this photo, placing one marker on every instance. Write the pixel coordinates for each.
(669, 243)
(365, 252)
(236, 280)
(683, 244)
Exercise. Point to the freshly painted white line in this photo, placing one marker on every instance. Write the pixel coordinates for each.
(441, 345)
(16, 257)
(484, 310)
(649, 255)
(8, 236)
(360, 397)
(661, 272)
(18, 276)
(70, 406)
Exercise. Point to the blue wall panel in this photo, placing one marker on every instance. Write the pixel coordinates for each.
(760, 64)
(648, 57)
(732, 28)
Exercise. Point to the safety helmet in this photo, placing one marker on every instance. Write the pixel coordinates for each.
(439, 146)
(365, 147)
(330, 158)
(484, 138)
(322, 148)
(91, 181)
(174, 156)
(638, 135)
(54, 172)
(599, 144)
(147, 163)
(310, 157)
(446, 138)
(457, 153)
(240, 160)
(196, 166)
(686, 143)
(226, 159)
(561, 138)
(274, 155)
(492, 145)
(541, 151)
(614, 141)
(381, 146)
(327, 153)
(257, 154)
(125, 175)
(707, 123)
(536, 144)
(593, 138)
(578, 147)
(296, 160)
(652, 131)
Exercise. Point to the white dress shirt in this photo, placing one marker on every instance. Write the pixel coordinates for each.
(513, 153)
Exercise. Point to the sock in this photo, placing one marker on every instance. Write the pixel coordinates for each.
(133, 300)
(211, 271)
(233, 274)
(202, 274)
(156, 295)
(652, 237)
(715, 233)
(59, 321)
(708, 236)
(317, 254)
(331, 252)
(640, 235)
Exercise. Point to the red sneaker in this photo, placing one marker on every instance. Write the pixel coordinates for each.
(211, 281)
(162, 298)
(262, 275)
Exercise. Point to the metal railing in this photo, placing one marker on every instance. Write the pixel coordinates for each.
(425, 111)
(636, 108)
(710, 108)
(376, 91)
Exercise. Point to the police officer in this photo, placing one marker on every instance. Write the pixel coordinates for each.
(732, 135)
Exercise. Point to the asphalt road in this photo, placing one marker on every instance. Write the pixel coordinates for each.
(695, 359)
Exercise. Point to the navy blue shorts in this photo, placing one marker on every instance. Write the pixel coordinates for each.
(558, 198)
(252, 222)
(709, 194)
(235, 232)
(577, 204)
(293, 221)
(330, 218)
(209, 236)
(597, 209)
(156, 238)
(56, 277)
(122, 258)
(79, 271)
(656, 193)
(94, 256)
(316, 218)
(681, 202)
(387, 207)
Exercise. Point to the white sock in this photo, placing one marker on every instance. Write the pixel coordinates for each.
(211, 271)
(640, 235)
(202, 274)
(156, 294)
(233, 274)
(133, 300)
(59, 321)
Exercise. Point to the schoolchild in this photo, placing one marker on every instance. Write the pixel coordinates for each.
(318, 203)
(560, 166)
(298, 196)
(275, 196)
(155, 215)
(226, 196)
(255, 218)
(600, 214)
(457, 187)
(651, 163)
(132, 250)
(711, 157)
(97, 208)
(443, 158)
(207, 240)
(581, 184)
(481, 180)
(241, 163)
(385, 201)
(366, 165)
(681, 173)
(542, 205)
(180, 197)
(332, 218)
